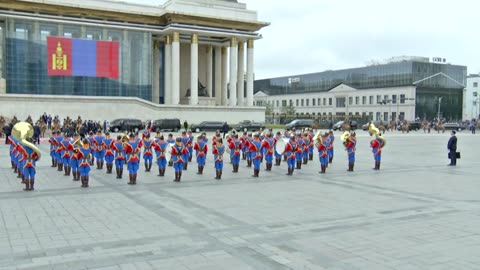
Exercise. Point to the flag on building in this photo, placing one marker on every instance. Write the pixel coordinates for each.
(81, 57)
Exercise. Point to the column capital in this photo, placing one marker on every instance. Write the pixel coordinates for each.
(194, 38)
(168, 40)
(241, 45)
(176, 37)
(224, 50)
(233, 42)
(250, 43)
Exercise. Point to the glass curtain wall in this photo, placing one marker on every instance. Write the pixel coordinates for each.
(26, 61)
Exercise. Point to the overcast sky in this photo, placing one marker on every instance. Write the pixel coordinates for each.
(308, 36)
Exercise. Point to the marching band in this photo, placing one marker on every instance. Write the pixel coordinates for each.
(69, 153)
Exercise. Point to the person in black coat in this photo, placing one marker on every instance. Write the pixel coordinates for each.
(7, 129)
(452, 148)
(36, 134)
(225, 129)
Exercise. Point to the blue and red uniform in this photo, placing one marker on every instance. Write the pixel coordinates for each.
(201, 149)
(160, 148)
(29, 158)
(323, 154)
(179, 153)
(83, 155)
(256, 156)
(109, 155)
(132, 151)
(235, 148)
(290, 152)
(218, 152)
(119, 150)
(268, 145)
(147, 145)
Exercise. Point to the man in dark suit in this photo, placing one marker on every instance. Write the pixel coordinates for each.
(452, 148)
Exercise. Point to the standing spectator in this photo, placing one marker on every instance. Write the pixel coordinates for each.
(36, 133)
(225, 129)
(185, 125)
(49, 121)
(7, 129)
(105, 125)
(472, 127)
(452, 148)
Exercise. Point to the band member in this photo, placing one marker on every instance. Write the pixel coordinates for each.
(287, 135)
(235, 147)
(29, 158)
(278, 157)
(74, 159)
(311, 145)
(256, 154)
(249, 155)
(190, 145)
(215, 137)
(268, 145)
(350, 144)
(12, 142)
(201, 149)
(20, 163)
(323, 152)
(59, 151)
(299, 154)
(243, 141)
(119, 149)
(377, 144)
(132, 151)
(53, 149)
(186, 142)
(99, 149)
(290, 152)
(331, 139)
(170, 140)
(157, 136)
(108, 148)
(218, 151)
(83, 155)
(66, 153)
(91, 139)
(306, 142)
(160, 147)
(179, 153)
(147, 144)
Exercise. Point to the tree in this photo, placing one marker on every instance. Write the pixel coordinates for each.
(288, 110)
(268, 109)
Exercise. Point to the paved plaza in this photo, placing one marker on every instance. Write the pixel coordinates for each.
(415, 213)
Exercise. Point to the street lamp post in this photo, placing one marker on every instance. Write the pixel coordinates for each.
(439, 103)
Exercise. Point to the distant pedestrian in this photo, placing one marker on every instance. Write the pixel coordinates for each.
(225, 129)
(185, 125)
(472, 127)
(452, 148)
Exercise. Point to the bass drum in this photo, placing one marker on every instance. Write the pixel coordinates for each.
(168, 151)
(280, 145)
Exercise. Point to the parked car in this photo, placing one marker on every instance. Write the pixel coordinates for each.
(250, 125)
(454, 126)
(338, 125)
(412, 126)
(208, 126)
(166, 124)
(300, 123)
(126, 124)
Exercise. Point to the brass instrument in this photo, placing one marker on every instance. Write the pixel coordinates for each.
(345, 137)
(79, 143)
(317, 138)
(21, 132)
(125, 138)
(372, 130)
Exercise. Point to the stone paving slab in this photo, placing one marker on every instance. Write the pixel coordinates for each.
(415, 213)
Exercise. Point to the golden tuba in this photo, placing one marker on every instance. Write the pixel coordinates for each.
(345, 137)
(317, 138)
(372, 130)
(21, 132)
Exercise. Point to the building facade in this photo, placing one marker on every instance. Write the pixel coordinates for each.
(185, 52)
(401, 89)
(472, 97)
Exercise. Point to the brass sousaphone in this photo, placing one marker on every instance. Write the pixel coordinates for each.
(317, 139)
(21, 132)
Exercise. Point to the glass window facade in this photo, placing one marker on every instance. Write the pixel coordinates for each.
(25, 54)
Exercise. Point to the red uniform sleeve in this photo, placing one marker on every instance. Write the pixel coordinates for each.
(288, 148)
(375, 144)
(214, 150)
(128, 148)
(205, 148)
(196, 147)
(231, 145)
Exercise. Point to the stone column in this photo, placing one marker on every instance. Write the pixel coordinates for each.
(250, 74)
(194, 70)
(168, 71)
(224, 77)
(209, 70)
(241, 74)
(175, 69)
(156, 72)
(218, 75)
(233, 71)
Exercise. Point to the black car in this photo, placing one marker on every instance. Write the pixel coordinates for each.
(248, 125)
(126, 124)
(411, 126)
(338, 125)
(208, 126)
(167, 124)
(300, 123)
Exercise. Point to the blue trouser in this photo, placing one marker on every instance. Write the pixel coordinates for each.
(256, 163)
(310, 149)
(305, 154)
(201, 160)
(269, 158)
(132, 167)
(119, 163)
(277, 155)
(190, 151)
(351, 158)
(291, 163)
(377, 157)
(330, 153)
(66, 161)
(235, 159)
(298, 156)
(185, 157)
(29, 173)
(74, 163)
(109, 159)
(59, 157)
(218, 165)
(162, 163)
(249, 155)
(324, 160)
(52, 154)
(148, 159)
(84, 170)
(178, 166)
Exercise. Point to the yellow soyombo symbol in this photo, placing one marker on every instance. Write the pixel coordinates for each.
(59, 60)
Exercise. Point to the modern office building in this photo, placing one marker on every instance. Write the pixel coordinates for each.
(184, 52)
(472, 97)
(400, 88)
